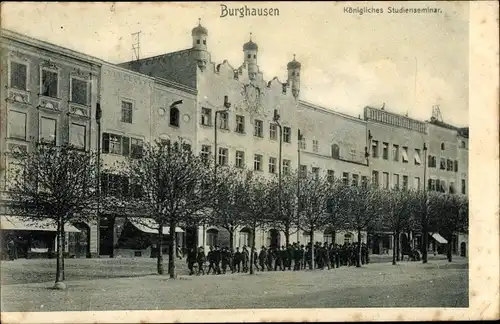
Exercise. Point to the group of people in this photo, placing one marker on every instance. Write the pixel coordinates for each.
(295, 256)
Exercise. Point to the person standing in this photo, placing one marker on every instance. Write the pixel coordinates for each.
(237, 260)
(226, 259)
(255, 258)
(211, 260)
(262, 257)
(201, 259)
(245, 257)
(270, 259)
(191, 260)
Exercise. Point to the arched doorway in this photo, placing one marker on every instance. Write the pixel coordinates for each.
(245, 237)
(212, 237)
(273, 238)
(348, 238)
(463, 249)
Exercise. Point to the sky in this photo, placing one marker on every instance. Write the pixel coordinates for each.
(410, 62)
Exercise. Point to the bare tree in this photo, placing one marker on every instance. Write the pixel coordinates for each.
(314, 202)
(398, 215)
(286, 219)
(255, 206)
(177, 188)
(55, 185)
(365, 210)
(227, 204)
(450, 212)
(337, 205)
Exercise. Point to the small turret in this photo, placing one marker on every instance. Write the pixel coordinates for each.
(293, 68)
(200, 34)
(250, 49)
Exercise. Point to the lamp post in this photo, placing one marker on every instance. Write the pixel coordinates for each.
(424, 227)
(276, 119)
(299, 137)
(98, 115)
(226, 106)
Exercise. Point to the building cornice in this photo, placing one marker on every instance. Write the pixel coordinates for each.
(330, 111)
(175, 85)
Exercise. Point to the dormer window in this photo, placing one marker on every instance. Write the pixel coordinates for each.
(204, 42)
(254, 56)
(249, 55)
(197, 41)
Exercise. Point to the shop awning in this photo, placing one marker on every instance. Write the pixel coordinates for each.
(439, 238)
(150, 226)
(16, 223)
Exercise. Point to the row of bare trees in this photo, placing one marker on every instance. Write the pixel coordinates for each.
(179, 188)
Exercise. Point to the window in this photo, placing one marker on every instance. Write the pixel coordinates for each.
(405, 182)
(432, 161)
(442, 146)
(244, 238)
(345, 178)
(206, 116)
(315, 172)
(463, 187)
(452, 188)
(404, 154)
(431, 185)
(174, 117)
(223, 120)
(258, 128)
(272, 131)
(303, 171)
(206, 151)
(80, 92)
(136, 148)
(286, 166)
(375, 178)
(364, 182)
(240, 124)
(212, 237)
(249, 55)
(449, 165)
(257, 162)
(287, 134)
(272, 165)
(395, 152)
(395, 181)
(417, 157)
(315, 146)
(442, 164)
(240, 159)
(442, 186)
(416, 183)
(455, 166)
(330, 176)
(462, 144)
(48, 130)
(197, 41)
(126, 112)
(335, 151)
(385, 180)
(78, 136)
(17, 124)
(355, 180)
(385, 151)
(302, 143)
(204, 42)
(223, 155)
(126, 146)
(375, 149)
(49, 83)
(18, 76)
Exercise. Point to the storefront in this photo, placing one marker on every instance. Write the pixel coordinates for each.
(27, 239)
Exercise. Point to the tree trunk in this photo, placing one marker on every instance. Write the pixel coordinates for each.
(358, 259)
(394, 248)
(59, 277)
(231, 239)
(312, 248)
(398, 239)
(425, 236)
(171, 251)
(159, 255)
(252, 250)
(287, 235)
(63, 237)
(450, 246)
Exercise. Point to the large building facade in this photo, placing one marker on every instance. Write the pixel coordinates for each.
(181, 95)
